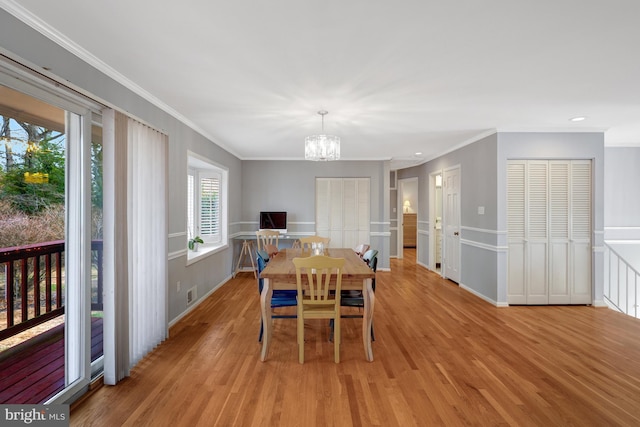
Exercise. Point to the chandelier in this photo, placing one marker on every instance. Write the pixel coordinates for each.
(322, 147)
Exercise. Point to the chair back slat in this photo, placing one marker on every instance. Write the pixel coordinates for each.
(267, 241)
(317, 302)
(320, 272)
(306, 242)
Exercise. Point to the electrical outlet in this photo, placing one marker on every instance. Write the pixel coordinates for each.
(178, 286)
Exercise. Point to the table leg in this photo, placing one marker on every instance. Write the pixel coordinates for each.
(367, 318)
(267, 324)
(247, 249)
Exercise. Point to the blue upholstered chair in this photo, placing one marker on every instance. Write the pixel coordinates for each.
(279, 298)
(354, 298)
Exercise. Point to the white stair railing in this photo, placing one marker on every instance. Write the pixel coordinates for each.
(621, 282)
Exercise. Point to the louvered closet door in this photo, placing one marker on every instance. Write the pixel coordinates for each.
(350, 213)
(559, 232)
(329, 220)
(536, 233)
(580, 233)
(342, 210)
(516, 210)
(549, 232)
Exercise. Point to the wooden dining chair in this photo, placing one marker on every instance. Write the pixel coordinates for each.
(280, 298)
(306, 242)
(361, 249)
(314, 277)
(268, 241)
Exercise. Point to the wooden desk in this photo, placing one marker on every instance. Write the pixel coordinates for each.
(280, 273)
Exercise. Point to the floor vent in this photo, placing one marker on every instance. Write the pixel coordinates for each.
(192, 295)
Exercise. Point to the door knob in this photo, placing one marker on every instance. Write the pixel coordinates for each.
(456, 234)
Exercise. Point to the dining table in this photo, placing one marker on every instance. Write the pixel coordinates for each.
(280, 273)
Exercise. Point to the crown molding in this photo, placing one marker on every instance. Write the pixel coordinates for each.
(63, 41)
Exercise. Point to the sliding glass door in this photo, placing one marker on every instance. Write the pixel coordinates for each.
(50, 182)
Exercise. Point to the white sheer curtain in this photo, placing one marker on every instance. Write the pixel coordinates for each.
(135, 242)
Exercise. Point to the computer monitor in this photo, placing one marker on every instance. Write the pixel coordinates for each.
(273, 221)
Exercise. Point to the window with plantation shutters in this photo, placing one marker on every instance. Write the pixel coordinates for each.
(206, 205)
(210, 206)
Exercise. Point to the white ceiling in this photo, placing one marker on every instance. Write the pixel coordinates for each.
(397, 77)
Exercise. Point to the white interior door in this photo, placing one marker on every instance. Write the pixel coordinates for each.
(451, 191)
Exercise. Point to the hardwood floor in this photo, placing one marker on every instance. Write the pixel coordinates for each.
(441, 357)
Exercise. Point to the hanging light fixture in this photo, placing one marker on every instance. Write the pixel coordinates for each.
(322, 147)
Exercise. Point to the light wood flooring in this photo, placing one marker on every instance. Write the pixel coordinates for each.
(441, 357)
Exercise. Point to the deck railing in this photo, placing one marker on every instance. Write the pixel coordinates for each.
(33, 284)
(621, 283)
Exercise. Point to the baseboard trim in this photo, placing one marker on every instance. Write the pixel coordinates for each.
(198, 302)
(484, 297)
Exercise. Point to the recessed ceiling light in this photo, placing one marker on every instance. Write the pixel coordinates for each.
(577, 119)
(419, 153)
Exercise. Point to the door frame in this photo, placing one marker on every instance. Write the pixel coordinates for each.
(78, 118)
(432, 220)
(445, 221)
(400, 210)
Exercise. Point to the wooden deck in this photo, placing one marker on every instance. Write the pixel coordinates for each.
(33, 371)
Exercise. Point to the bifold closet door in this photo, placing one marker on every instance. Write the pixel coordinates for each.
(580, 279)
(549, 223)
(342, 210)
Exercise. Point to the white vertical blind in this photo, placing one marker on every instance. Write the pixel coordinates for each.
(116, 257)
(147, 220)
(135, 242)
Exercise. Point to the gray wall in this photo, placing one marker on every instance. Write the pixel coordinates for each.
(622, 193)
(290, 186)
(260, 185)
(478, 233)
(588, 145)
(33, 49)
(483, 254)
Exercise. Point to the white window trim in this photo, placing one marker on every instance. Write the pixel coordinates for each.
(200, 166)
